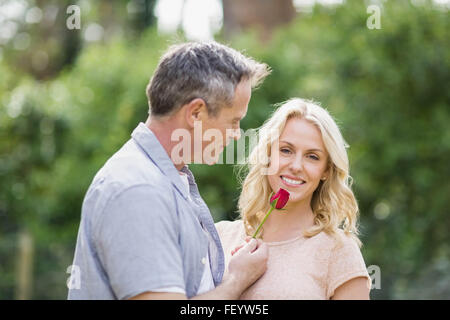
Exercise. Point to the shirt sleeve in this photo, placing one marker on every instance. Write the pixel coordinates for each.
(346, 263)
(137, 242)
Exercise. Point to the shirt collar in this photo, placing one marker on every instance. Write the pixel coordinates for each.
(147, 140)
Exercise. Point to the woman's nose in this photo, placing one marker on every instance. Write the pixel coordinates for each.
(296, 165)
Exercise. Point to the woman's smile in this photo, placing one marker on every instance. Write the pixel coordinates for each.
(292, 182)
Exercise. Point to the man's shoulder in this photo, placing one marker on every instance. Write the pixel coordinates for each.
(129, 171)
(130, 166)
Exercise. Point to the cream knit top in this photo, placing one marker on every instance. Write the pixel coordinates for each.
(299, 268)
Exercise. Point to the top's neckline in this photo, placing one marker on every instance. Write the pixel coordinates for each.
(283, 242)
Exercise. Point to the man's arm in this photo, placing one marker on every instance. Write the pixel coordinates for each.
(224, 291)
(159, 296)
(246, 266)
(137, 242)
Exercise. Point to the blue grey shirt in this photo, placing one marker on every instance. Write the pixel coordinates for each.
(139, 231)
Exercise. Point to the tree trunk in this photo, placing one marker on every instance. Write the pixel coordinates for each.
(24, 266)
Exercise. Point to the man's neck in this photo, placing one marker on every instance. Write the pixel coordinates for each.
(162, 129)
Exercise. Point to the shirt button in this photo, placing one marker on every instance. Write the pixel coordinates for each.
(204, 260)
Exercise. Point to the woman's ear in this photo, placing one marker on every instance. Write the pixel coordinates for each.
(326, 173)
(195, 111)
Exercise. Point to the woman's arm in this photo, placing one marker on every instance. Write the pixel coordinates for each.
(354, 289)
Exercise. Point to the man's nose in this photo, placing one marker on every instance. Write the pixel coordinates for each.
(237, 136)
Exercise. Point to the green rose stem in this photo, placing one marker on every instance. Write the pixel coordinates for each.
(277, 201)
(262, 222)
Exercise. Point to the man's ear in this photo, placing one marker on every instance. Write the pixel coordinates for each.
(195, 110)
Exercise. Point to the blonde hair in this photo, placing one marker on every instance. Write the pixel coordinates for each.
(333, 202)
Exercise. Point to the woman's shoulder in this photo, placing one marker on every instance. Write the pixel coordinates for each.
(230, 230)
(230, 226)
(344, 248)
(345, 262)
(337, 240)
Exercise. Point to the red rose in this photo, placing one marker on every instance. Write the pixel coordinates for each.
(282, 196)
(277, 201)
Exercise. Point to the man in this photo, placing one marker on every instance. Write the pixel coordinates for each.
(145, 232)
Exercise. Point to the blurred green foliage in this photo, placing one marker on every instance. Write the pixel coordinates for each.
(387, 88)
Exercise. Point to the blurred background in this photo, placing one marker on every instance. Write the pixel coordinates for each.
(70, 97)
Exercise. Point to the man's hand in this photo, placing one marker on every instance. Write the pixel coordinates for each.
(247, 239)
(248, 264)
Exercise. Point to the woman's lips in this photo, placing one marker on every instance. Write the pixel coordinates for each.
(291, 182)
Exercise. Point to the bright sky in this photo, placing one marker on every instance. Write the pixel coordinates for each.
(200, 19)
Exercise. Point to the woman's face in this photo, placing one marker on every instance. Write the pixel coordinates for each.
(299, 160)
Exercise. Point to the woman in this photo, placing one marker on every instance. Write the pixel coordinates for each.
(313, 245)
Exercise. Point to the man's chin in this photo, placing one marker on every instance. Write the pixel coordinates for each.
(211, 161)
(207, 160)
(212, 158)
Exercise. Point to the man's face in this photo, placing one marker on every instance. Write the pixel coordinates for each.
(220, 129)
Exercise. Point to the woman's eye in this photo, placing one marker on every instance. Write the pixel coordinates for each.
(284, 150)
(314, 157)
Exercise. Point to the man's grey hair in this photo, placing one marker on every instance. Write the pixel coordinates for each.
(208, 70)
